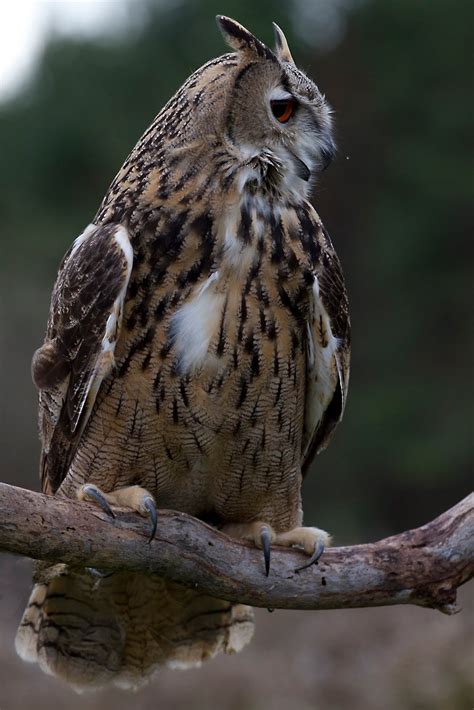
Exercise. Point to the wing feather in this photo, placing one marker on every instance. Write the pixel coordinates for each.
(78, 352)
(328, 352)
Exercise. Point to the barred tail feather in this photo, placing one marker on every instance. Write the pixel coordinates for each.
(122, 628)
(27, 634)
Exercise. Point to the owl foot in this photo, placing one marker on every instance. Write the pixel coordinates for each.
(134, 497)
(312, 540)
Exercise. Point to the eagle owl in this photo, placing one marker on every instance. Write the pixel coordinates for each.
(196, 358)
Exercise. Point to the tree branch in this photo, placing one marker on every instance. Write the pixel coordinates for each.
(422, 566)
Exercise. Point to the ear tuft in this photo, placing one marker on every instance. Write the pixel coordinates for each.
(281, 45)
(241, 40)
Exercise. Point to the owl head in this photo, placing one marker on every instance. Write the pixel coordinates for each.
(273, 110)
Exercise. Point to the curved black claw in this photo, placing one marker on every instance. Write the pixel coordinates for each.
(150, 506)
(265, 540)
(93, 492)
(313, 560)
(100, 574)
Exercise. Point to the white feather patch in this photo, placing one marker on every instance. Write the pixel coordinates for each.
(280, 94)
(114, 320)
(82, 237)
(195, 323)
(232, 245)
(237, 254)
(322, 366)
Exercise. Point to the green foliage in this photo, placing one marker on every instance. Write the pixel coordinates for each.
(397, 210)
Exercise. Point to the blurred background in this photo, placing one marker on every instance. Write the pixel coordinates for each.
(79, 83)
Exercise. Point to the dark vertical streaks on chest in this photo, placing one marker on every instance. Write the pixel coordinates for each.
(146, 361)
(308, 234)
(262, 293)
(243, 392)
(295, 342)
(242, 318)
(222, 336)
(245, 224)
(183, 392)
(292, 303)
(263, 319)
(251, 348)
(157, 380)
(175, 411)
(276, 362)
(161, 307)
(139, 310)
(271, 329)
(278, 392)
(253, 273)
(166, 349)
(235, 357)
(254, 414)
(202, 227)
(167, 242)
(277, 240)
(136, 347)
(119, 403)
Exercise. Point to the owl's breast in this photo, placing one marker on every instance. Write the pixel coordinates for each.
(238, 342)
(236, 379)
(206, 401)
(234, 340)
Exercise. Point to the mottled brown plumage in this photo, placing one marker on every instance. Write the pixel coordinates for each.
(197, 350)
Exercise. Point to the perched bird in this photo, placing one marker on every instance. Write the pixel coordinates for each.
(196, 358)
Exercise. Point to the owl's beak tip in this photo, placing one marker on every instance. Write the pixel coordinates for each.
(301, 168)
(327, 155)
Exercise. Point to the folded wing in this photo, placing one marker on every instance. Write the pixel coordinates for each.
(328, 355)
(78, 352)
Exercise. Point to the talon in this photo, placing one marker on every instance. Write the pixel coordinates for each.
(150, 506)
(93, 492)
(100, 574)
(313, 560)
(265, 540)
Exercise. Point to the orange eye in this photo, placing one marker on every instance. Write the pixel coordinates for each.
(283, 109)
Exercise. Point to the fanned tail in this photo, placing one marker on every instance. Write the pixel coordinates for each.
(120, 629)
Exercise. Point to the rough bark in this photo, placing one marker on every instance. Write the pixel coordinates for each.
(424, 566)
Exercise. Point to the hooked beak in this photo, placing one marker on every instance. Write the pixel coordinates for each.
(328, 151)
(326, 155)
(301, 169)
